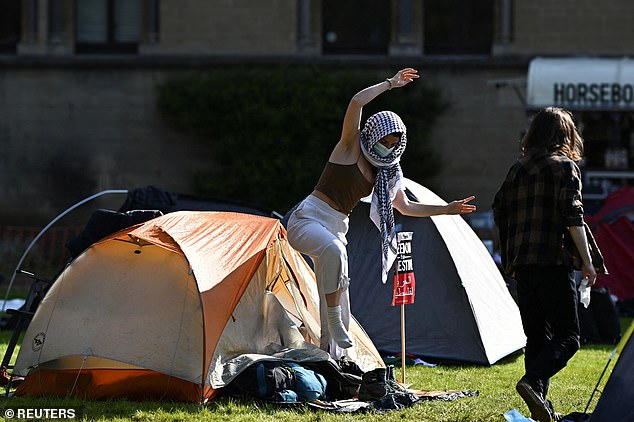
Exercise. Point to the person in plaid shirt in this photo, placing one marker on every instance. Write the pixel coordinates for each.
(539, 201)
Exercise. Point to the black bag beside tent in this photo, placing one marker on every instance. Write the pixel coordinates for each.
(599, 323)
(279, 381)
(153, 198)
(264, 380)
(271, 380)
(143, 204)
(104, 222)
(342, 383)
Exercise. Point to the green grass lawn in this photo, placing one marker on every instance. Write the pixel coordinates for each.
(570, 391)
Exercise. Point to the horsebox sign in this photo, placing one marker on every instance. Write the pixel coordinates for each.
(580, 83)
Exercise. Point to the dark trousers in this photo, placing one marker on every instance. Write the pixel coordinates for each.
(547, 298)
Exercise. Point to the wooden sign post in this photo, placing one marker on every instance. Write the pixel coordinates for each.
(404, 284)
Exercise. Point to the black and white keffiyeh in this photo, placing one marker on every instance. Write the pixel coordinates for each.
(388, 178)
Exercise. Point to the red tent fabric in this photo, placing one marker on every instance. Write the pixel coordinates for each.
(616, 242)
(616, 205)
(614, 234)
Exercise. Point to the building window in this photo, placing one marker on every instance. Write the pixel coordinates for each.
(152, 21)
(108, 26)
(9, 26)
(356, 26)
(608, 140)
(458, 27)
(55, 20)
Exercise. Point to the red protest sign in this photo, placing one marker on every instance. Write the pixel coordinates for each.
(404, 280)
(404, 289)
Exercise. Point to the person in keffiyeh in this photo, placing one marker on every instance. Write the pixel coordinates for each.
(363, 162)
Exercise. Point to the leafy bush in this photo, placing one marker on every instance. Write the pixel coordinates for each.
(273, 127)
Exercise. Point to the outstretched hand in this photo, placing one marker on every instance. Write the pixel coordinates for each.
(461, 206)
(403, 77)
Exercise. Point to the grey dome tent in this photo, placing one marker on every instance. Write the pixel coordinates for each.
(463, 311)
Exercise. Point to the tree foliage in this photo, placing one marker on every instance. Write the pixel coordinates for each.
(272, 128)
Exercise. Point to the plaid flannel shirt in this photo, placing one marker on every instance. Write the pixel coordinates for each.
(538, 200)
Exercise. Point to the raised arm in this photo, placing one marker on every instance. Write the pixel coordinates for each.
(352, 119)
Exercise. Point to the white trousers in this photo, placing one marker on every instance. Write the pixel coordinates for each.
(319, 231)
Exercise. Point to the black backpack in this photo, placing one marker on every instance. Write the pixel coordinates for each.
(264, 380)
(343, 377)
(270, 380)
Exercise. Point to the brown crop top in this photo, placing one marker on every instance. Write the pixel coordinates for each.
(344, 184)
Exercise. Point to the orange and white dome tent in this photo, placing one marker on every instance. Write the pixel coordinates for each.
(174, 309)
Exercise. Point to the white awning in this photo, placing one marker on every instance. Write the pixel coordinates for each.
(579, 83)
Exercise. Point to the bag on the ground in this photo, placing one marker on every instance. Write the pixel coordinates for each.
(309, 385)
(278, 381)
(342, 383)
(599, 323)
(267, 380)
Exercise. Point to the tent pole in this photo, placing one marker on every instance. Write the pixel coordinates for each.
(402, 343)
(69, 209)
(599, 381)
(617, 350)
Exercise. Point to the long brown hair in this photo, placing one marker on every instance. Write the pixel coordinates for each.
(553, 129)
